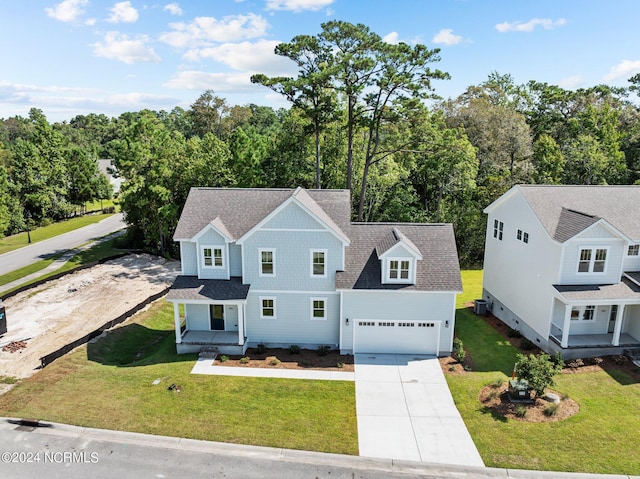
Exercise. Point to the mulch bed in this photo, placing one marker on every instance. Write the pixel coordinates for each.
(285, 359)
(496, 400)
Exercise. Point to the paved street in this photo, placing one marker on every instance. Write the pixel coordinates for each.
(37, 251)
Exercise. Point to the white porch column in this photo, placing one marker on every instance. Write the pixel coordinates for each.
(566, 325)
(176, 320)
(618, 326)
(241, 324)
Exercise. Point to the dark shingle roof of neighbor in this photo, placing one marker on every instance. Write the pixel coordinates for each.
(240, 209)
(564, 211)
(437, 271)
(192, 288)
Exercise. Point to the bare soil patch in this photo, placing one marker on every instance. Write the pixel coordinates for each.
(49, 316)
(496, 400)
(285, 359)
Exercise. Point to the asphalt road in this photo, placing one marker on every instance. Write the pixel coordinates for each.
(44, 249)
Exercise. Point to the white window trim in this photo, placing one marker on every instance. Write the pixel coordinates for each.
(581, 310)
(412, 270)
(313, 318)
(637, 248)
(273, 257)
(592, 260)
(213, 256)
(498, 229)
(275, 314)
(311, 252)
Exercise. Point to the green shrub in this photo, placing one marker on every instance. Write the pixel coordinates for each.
(340, 365)
(521, 411)
(513, 333)
(538, 371)
(244, 360)
(526, 345)
(260, 349)
(224, 358)
(294, 349)
(324, 350)
(497, 383)
(275, 362)
(551, 409)
(458, 350)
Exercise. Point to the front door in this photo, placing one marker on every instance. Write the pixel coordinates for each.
(216, 313)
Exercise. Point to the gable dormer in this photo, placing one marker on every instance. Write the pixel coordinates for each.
(212, 250)
(398, 257)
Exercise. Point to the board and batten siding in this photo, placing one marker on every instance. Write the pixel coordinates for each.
(521, 275)
(293, 323)
(398, 306)
(188, 258)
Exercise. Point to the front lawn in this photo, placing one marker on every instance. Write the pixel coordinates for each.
(598, 439)
(109, 384)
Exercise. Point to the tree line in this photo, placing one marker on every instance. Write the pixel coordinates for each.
(364, 116)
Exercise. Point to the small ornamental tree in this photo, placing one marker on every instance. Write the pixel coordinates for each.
(538, 371)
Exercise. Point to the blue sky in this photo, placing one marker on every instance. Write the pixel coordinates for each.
(77, 57)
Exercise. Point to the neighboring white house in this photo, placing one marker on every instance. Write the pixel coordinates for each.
(562, 266)
(285, 267)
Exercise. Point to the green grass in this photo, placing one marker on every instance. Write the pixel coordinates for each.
(594, 440)
(109, 384)
(19, 240)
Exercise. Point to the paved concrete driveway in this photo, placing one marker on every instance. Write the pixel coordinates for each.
(405, 411)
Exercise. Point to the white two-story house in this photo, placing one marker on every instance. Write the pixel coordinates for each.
(285, 267)
(562, 266)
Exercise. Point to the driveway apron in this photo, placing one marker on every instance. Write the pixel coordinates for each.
(405, 411)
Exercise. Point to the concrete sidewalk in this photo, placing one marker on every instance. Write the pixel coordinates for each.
(207, 366)
(405, 411)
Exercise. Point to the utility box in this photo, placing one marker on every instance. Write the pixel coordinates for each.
(519, 389)
(480, 307)
(3, 319)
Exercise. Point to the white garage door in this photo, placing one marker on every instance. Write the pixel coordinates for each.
(396, 337)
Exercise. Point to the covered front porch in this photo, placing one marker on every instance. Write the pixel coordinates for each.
(209, 314)
(595, 319)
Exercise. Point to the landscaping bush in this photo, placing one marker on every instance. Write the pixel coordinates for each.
(294, 349)
(323, 350)
(551, 409)
(275, 362)
(538, 371)
(521, 411)
(224, 358)
(513, 333)
(526, 345)
(458, 350)
(244, 360)
(260, 349)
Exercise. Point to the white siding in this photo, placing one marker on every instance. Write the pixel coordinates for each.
(631, 263)
(397, 305)
(631, 323)
(519, 274)
(613, 267)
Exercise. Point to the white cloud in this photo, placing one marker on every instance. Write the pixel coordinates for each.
(118, 46)
(251, 56)
(203, 30)
(220, 82)
(123, 12)
(623, 70)
(529, 26)
(67, 10)
(393, 38)
(446, 37)
(298, 5)
(173, 8)
(571, 82)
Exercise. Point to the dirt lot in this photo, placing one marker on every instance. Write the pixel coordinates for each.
(43, 319)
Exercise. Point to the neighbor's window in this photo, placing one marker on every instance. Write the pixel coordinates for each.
(267, 263)
(498, 228)
(318, 266)
(634, 250)
(212, 257)
(318, 306)
(268, 308)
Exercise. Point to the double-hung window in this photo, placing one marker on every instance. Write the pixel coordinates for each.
(318, 263)
(212, 257)
(634, 250)
(267, 262)
(267, 308)
(592, 260)
(399, 269)
(318, 308)
(498, 229)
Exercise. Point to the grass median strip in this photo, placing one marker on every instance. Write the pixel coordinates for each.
(109, 384)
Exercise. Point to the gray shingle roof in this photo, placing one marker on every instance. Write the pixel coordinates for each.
(625, 289)
(392, 238)
(566, 210)
(192, 288)
(240, 209)
(437, 271)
